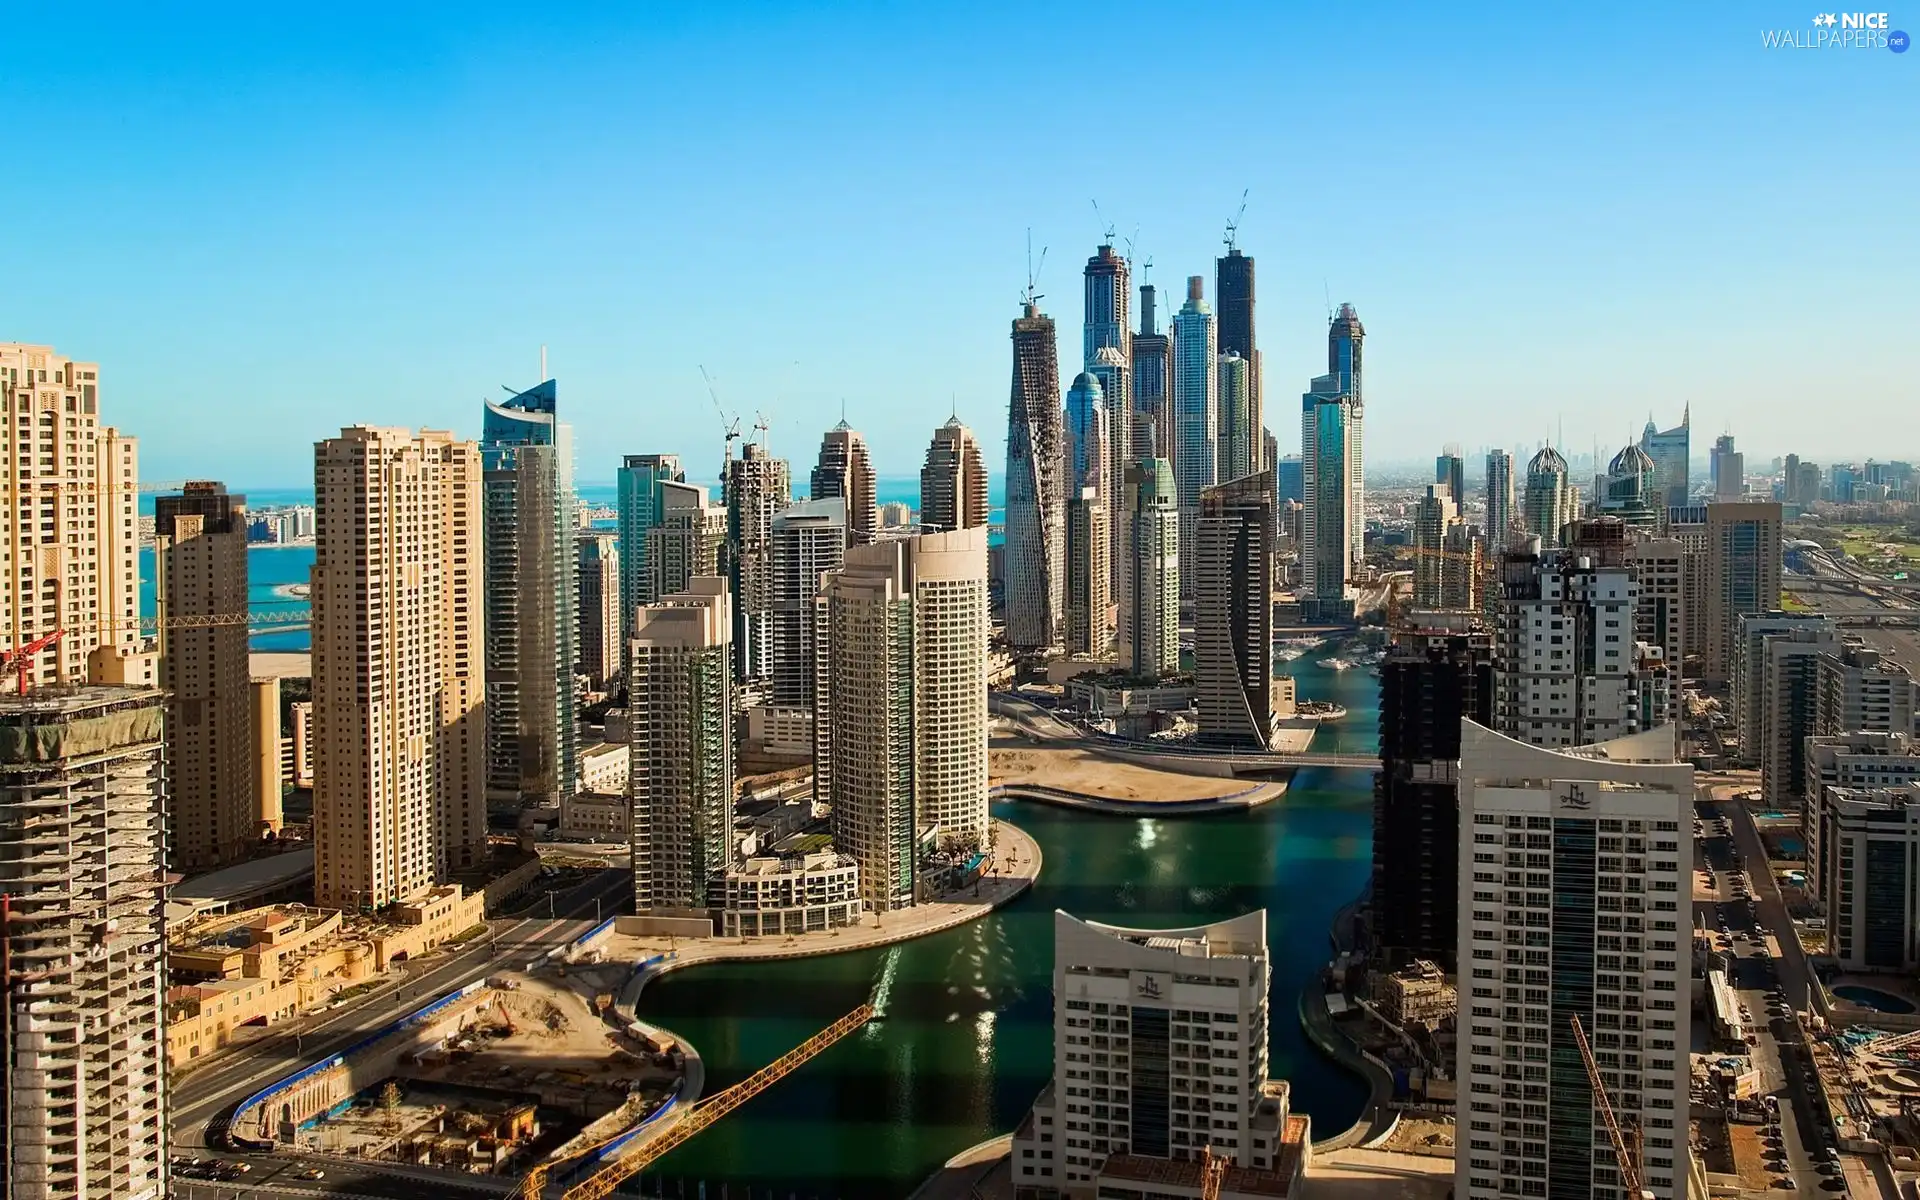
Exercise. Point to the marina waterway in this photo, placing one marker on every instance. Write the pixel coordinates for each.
(964, 1039)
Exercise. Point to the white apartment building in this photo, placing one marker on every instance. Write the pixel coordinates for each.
(1089, 605)
(1858, 761)
(903, 729)
(1747, 672)
(1575, 870)
(680, 730)
(69, 530)
(82, 866)
(770, 896)
(1569, 668)
(399, 679)
(1160, 1051)
(1861, 690)
(1788, 700)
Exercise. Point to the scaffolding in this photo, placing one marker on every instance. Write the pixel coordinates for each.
(82, 878)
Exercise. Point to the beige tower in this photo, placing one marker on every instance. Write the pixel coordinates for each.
(953, 483)
(680, 730)
(1089, 633)
(686, 541)
(1743, 562)
(269, 773)
(72, 563)
(902, 722)
(398, 679)
(200, 584)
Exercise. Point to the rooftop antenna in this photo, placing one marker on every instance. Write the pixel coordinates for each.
(1106, 226)
(1233, 226)
(543, 363)
(1327, 291)
(1033, 297)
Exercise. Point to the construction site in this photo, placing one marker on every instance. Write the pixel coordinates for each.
(526, 1066)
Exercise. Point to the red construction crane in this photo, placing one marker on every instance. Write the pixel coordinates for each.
(23, 657)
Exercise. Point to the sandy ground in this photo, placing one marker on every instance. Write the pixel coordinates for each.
(1019, 761)
(1416, 1136)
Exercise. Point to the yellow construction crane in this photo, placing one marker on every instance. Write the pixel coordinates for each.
(1628, 1155)
(1213, 1173)
(702, 1114)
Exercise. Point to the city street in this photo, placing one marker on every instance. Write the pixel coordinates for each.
(1775, 959)
(201, 1102)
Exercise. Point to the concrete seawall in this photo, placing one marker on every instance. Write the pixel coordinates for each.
(1252, 797)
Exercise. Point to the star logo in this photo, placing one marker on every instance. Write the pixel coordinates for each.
(1829, 20)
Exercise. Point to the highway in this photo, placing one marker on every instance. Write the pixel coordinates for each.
(203, 1101)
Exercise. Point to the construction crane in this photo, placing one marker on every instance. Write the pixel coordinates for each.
(23, 657)
(760, 427)
(1233, 226)
(1106, 226)
(1213, 1173)
(300, 616)
(698, 1117)
(732, 424)
(1033, 296)
(1629, 1156)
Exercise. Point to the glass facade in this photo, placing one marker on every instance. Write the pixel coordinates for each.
(1151, 1080)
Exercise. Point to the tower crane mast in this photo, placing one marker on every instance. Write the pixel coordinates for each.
(1627, 1155)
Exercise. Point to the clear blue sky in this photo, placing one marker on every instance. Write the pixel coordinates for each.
(266, 222)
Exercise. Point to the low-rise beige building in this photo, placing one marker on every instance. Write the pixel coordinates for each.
(771, 896)
(1416, 994)
(597, 815)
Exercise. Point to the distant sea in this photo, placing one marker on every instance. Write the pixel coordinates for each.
(272, 569)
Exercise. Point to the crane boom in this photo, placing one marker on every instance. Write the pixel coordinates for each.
(1629, 1169)
(603, 1182)
(1213, 1173)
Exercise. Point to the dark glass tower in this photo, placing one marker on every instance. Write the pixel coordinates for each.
(1429, 681)
(1233, 289)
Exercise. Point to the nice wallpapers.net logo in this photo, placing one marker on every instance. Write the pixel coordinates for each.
(1840, 31)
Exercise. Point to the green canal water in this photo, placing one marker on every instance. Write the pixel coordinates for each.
(965, 1039)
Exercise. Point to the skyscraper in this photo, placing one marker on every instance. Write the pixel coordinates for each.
(1548, 504)
(1233, 288)
(1329, 521)
(1499, 499)
(688, 538)
(70, 490)
(680, 731)
(1239, 437)
(1036, 543)
(1345, 341)
(905, 736)
(397, 665)
(1196, 408)
(1150, 605)
(953, 483)
(809, 540)
(1233, 613)
(1450, 471)
(1603, 830)
(1729, 468)
(597, 585)
(1669, 450)
(83, 946)
(1110, 368)
(1152, 361)
(757, 486)
(640, 480)
(200, 571)
(1088, 573)
(1289, 479)
(526, 454)
(1436, 674)
(1434, 518)
(1743, 566)
(1086, 437)
(1109, 296)
(846, 470)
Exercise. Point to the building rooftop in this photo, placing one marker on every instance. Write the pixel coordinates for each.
(247, 878)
